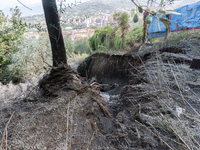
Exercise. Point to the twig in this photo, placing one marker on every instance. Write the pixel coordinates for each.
(43, 59)
(138, 135)
(154, 135)
(177, 84)
(180, 138)
(6, 132)
(67, 125)
(89, 142)
(24, 5)
(72, 123)
(102, 107)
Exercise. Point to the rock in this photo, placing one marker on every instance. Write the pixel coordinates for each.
(178, 111)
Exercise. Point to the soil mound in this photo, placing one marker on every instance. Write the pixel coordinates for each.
(111, 69)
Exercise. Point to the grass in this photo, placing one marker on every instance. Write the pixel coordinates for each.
(161, 79)
(161, 76)
(175, 37)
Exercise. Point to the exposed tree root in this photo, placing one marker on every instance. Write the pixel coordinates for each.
(61, 77)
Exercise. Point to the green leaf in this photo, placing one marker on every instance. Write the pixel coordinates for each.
(165, 21)
(162, 11)
(158, 25)
(166, 25)
(172, 12)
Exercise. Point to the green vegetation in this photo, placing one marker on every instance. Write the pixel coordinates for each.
(102, 37)
(23, 55)
(123, 24)
(135, 34)
(77, 47)
(109, 37)
(33, 56)
(69, 46)
(30, 59)
(11, 32)
(82, 46)
(16, 49)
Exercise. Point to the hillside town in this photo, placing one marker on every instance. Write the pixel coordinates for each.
(78, 28)
(93, 21)
(79, 33)
(82, 23)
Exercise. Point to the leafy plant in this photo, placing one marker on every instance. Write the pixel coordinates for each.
(69, 45)
(135, 35)
(82, 46)
(110, 37)
(102, 36)
(123, 24)
(11, 33)
(29, 59)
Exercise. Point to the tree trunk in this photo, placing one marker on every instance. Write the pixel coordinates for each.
(166, 34)
(123, 35)
(145, 29)
(55, 32)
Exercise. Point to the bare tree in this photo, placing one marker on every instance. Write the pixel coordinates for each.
(55, 32)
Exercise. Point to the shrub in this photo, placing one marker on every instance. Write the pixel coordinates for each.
(123, 25)
(102, 36)
(135, 34)
(82, 46)
(69, 45)
(29, 59)
(11, 33)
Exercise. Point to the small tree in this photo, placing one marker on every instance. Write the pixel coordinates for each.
(11, 32)
(148, 13)
(55, 32)
(123, 23)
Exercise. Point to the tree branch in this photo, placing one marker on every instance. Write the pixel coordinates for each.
(24, 5)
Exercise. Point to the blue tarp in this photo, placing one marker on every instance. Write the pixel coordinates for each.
(189, 19)
(154, 30)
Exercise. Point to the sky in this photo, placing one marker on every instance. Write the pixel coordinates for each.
(13, 3)
(35, 5)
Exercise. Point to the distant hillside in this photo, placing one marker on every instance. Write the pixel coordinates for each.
(36, 9)
(87, 9)
(92, 8)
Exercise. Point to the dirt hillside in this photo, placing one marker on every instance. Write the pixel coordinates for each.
(122, 102)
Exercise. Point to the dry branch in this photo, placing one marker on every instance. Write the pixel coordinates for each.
(103, 108)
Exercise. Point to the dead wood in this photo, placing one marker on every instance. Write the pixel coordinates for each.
(102, 107)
